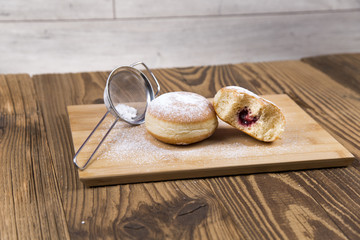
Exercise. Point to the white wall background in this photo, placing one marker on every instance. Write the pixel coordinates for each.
(38, 36)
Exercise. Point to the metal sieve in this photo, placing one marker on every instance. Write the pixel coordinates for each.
(127, 94)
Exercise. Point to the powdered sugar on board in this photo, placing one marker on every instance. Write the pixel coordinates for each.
(180, 106)
(133, 145)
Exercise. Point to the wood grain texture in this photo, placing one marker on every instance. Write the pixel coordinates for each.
(55, 92)
(55, 10)
(349, 76)
(108, 9)
(207, 80)
(261, 78)
(272, 201)
(162, 8)
(323, 98)
(282, 205)
(39, 179)
(30, 199)
(74, 46)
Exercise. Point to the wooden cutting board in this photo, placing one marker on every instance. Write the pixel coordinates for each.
(130, 154)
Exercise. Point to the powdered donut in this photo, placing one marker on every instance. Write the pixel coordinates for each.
(180, 118)
(249, 113)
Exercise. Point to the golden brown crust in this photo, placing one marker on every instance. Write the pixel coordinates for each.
(183, 139)
(181, 118)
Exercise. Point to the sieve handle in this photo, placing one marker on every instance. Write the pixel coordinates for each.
(151, 74)
(98, 146)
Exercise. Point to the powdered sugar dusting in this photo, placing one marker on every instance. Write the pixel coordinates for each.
(180, 106)
(132, 145)
(126, 112)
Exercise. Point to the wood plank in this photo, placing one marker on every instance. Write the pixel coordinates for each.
(175, 209)
(55, 10)
(130, 155)
(277, 204)
(348, 76)
(80, 204)
(170, 79)
(31, 203)
(180, 42)
(7, 225)
(65, 10)
(336, 190)
(207, 80)
(162, 8)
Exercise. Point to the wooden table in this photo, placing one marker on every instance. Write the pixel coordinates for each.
(42, 198)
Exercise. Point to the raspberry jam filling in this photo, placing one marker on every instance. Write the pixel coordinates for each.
(245, 117)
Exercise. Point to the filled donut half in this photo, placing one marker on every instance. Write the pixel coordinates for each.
(249, 113)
